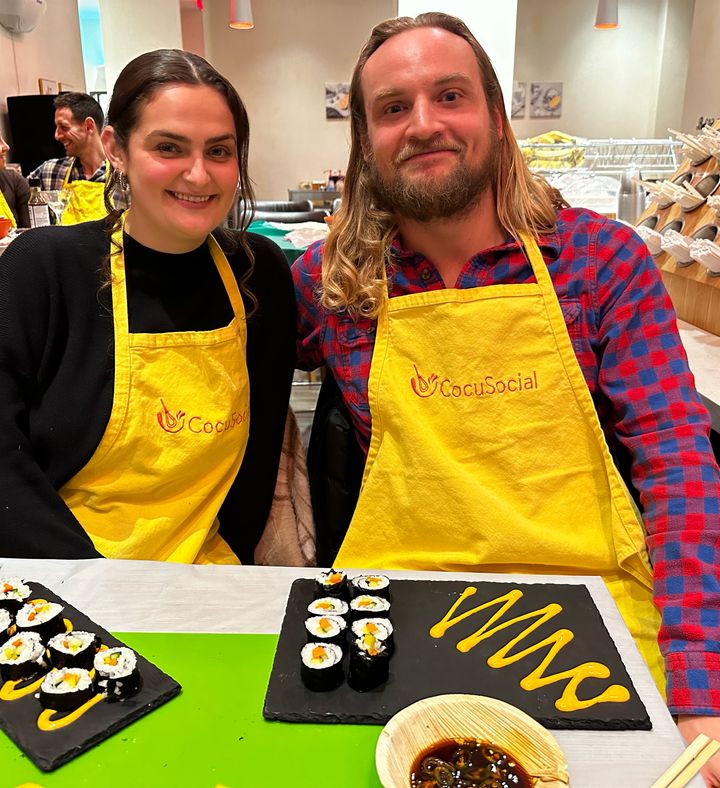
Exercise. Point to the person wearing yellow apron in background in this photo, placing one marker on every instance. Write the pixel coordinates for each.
(82, 173)
(466, 359)
(142, 411)
(14, 191)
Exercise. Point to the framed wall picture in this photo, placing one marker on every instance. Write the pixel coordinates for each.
(337, 100)
(65, 87)
(546, 99)
(47, 87)
(519, 99)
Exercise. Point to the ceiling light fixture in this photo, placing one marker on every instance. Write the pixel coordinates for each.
(241, 17)
(606, 17)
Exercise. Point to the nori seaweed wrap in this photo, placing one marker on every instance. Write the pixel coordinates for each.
(22, 656)
(74, 649)
(374, 585)
(41, 616)
(332, 583)
(369, 664)
(116, 672)
(13, 594)
(321, 666)
(65, 689)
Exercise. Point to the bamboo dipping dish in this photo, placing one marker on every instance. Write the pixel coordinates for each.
(467, 717)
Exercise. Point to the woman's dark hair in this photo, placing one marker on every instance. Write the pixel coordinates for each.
(137, 84)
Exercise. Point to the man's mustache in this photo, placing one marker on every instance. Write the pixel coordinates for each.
(415, 149)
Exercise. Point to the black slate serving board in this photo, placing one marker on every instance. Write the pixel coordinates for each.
(423, 666)
(50, 749)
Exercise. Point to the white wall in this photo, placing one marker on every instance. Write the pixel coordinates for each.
(702, 93)
(51, 51)
(131, 27)
(491, 22)
(280, 69)
(626, 82)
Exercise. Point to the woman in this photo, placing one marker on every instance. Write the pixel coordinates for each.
(146, 358)
(14, 191)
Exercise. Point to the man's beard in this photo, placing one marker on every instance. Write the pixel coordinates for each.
(425, 199)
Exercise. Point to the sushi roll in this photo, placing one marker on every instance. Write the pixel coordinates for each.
(326, 629)
(380, 628)
(365, 606)
(117, 672)
(369, 663)
(65, 689)
(13, 594)
(332, 583)
(321, 666)
(22, 656)
(328, 606)
(6, 622)
(375, 585)
(74, 649)
(42, 617)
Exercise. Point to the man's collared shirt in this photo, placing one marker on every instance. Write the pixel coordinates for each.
(51, 174)
(623, 330)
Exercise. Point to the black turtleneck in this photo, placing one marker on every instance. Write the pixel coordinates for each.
(56, 370)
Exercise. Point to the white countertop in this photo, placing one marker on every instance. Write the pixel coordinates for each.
(126, 596)
(703, 350)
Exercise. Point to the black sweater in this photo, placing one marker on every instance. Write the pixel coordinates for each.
(57, 365)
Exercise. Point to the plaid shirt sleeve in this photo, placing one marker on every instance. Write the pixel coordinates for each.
(661, 421)
(306, 273)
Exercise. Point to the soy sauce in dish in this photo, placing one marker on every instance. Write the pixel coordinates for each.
(467, 764)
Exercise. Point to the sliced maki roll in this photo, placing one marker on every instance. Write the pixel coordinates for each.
(117, 672)
(74, 649)
(375, 585)
(66, 689)
(332, 583)
(42, 617)
(321, 666)
(22, 656)
(328, 606)
(379, 628)
(369, 663)
(13, 594)
(326, 629)
(366, 606)
(6, 622)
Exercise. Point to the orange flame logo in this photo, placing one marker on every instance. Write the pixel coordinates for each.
(423, 388)
(169, 422)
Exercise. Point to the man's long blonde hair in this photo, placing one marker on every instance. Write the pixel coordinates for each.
(362, 230)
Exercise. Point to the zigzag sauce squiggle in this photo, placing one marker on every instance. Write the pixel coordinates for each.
(569, 700)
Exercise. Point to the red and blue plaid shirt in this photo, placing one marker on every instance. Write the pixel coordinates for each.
(623, 330)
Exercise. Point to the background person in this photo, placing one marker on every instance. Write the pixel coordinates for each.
(83, 171)
(14, 191)
(146, 358)
(490, 344)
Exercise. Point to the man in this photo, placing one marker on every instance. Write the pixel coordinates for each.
(78, 123)
(490, 344)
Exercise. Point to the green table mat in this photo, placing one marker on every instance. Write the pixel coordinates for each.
(213, 733)
(277, 237)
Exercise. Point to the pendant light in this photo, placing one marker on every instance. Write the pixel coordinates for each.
(241, 17)
(607, 15)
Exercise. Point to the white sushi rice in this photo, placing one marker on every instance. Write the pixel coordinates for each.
(334, 627)
(21, 648)
(71, 642)
(125, 658)
(370, 604)
(332, 655)
(14, 588)
(5, 621)
(40, 612)
(328, 606)
(370, 583)
(58, 680)
(383, 625)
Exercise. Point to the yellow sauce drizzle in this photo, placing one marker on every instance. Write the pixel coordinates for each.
(47, 722)
(9, 690)
(569, 700)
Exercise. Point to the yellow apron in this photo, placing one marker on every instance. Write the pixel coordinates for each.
(486, 451)
(5, 210)
(87, 201)
(175, 438)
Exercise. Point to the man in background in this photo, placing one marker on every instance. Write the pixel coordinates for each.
(78, 123)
